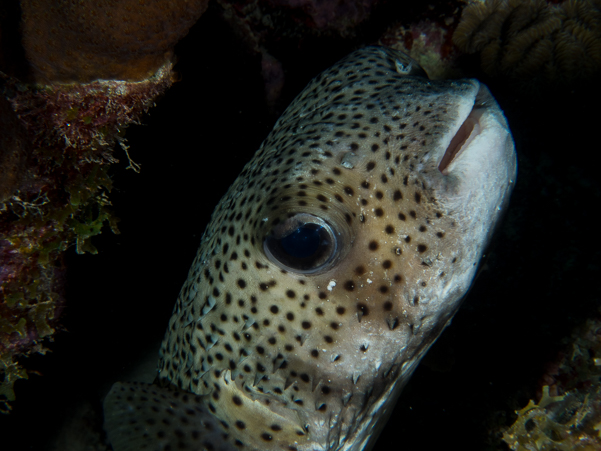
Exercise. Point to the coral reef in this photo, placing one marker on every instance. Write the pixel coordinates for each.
(61, 200)
(429, 43)
(426, 35)
(568, 415)
(116, 39)
(90, 69)
(533, 39)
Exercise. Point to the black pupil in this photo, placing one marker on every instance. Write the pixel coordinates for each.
(303, 242)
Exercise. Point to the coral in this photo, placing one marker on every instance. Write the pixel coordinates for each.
(564, 423)
(521, 40)
(62, 200)
(68, 40)
(91, 68)
(568, 416)
(429, 43)
(426, 35)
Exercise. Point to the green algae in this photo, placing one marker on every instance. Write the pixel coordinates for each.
(61, 202)
(10, 372)
(570, 421)
(41, 231)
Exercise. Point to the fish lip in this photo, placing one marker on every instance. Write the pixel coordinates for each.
(466, 130)
(478, 181)
(481, 144)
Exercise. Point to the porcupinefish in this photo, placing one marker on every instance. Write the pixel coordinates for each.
(330, 266)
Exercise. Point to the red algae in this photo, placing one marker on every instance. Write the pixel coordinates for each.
(61, 199)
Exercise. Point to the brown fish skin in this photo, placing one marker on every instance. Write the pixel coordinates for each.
(401, 181)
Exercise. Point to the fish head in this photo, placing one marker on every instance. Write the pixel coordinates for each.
(340, 253)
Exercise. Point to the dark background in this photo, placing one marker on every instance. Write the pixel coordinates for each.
(539, 281)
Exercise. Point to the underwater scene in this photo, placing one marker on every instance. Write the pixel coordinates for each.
(128, 218)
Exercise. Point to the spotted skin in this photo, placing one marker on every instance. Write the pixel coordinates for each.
(291, 360)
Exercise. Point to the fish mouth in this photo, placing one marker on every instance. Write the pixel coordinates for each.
(477, 170)
(469, 129)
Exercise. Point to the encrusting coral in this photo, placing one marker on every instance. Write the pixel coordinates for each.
(568, 416)
(67, 40)
(525, 39)
(92, 68)
(429, 42)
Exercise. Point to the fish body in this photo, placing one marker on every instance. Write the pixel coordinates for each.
(330, 266)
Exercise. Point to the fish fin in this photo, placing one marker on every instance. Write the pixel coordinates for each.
(139, 416)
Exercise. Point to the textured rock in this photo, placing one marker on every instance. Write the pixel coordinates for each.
(533, 40)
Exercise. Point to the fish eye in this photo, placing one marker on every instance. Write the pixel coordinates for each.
(302, 243)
